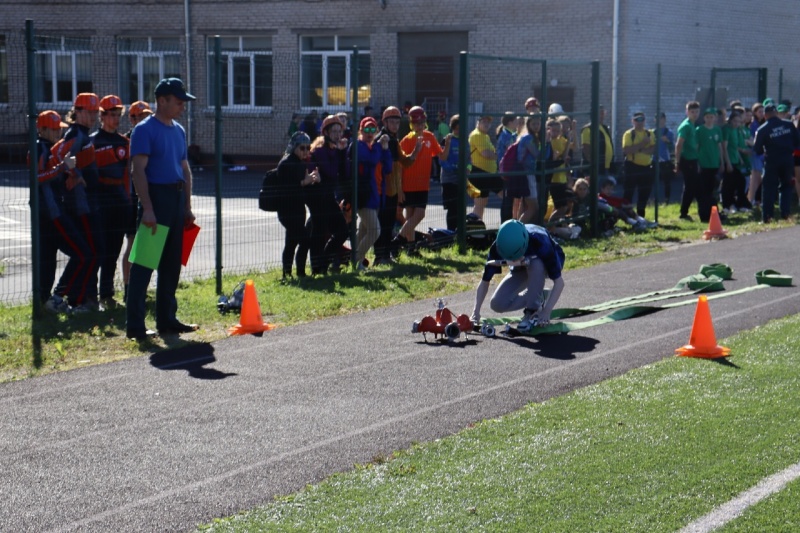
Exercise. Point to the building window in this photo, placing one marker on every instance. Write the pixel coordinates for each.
(246, 71)
(325, 73)
(64, 67)
(3, 71)
(143, 62)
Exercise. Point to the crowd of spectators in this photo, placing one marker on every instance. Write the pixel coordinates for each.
(715, 153)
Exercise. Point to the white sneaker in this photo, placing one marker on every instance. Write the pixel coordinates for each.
(744, 210)
(529, 320)
(56, 305)
(574, 232)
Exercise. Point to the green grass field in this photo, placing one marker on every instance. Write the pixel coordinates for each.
(651, 450)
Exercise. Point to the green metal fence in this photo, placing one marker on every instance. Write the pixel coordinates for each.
(247, 95)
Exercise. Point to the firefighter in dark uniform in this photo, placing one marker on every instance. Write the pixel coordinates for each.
(56, 230)
(776, 139)
(81, 196)
(111, 155)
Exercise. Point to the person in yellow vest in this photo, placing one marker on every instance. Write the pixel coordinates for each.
(484, 161)
(638, 146)
(606, 146)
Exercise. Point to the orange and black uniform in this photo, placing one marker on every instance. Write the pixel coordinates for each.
(113, 195)
(57, 231)
(81, 201)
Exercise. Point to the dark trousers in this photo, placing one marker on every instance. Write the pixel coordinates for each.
(777, 183)
(691, 175)
(387, 216)
(666, 173)
(114, 216)
(328, 231)
(450, 204)
(79, 280)
(62, 234)
(169, 206)
(706, 185)
(638, 178)
(734, 189)
(293, 219)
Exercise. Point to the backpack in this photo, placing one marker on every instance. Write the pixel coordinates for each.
(510, 162)
(269, 196)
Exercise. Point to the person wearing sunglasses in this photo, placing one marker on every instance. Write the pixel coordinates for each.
(294, 176)
(371, 156)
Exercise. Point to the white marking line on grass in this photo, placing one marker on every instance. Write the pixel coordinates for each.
(734, 508)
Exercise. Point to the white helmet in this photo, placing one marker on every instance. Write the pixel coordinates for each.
(555, 109)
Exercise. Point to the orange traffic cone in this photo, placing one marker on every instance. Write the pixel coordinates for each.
(702, 341)
(714, 230)
(250, 321)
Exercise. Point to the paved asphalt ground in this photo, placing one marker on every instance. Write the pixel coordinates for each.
(164, 442)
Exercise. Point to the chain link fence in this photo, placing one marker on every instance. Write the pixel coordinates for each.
(264, 96)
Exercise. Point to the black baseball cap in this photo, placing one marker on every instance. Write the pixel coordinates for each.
(175, 87)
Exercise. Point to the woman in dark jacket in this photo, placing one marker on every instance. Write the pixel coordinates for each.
(293, 175)
(328, 226)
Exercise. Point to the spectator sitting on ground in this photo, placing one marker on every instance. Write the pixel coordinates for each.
(622, 210)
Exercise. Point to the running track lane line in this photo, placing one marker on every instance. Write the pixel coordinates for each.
(79, 524)
(733, 509)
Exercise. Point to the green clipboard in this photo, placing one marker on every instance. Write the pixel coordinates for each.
(147, 248)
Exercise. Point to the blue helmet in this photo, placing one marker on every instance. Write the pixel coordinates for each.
(512, 240)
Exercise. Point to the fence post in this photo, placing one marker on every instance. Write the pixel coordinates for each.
(33, 171)
(594, 136)
(218, 156)
(762, 84)
(541, 166)
(463, 150)
(657, 155)
(713, 91)
(354, 159)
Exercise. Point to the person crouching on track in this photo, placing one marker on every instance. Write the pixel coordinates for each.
(532, 255)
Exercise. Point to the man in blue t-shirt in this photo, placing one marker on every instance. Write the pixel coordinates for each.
(163, 181)
(776, 139)
(532, 254)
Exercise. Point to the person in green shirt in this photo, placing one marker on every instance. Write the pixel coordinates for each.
(734, 195)
(710, 158)
(686, 157)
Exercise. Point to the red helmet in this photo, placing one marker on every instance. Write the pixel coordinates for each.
(391, 111)
(416, 115)
(330, 120)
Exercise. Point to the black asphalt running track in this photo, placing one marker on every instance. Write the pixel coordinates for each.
(165, 442)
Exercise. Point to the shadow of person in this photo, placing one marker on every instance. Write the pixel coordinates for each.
(193, 358)
(563, 347)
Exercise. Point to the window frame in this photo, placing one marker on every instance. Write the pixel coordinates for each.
(324, 56)
(140, 56)
(229, 73)
(53, 50)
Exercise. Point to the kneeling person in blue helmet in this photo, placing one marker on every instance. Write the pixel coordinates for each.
(532, 255)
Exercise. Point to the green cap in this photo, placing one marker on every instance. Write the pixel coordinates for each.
(710, 111)
(782, 108)
(768, 101)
